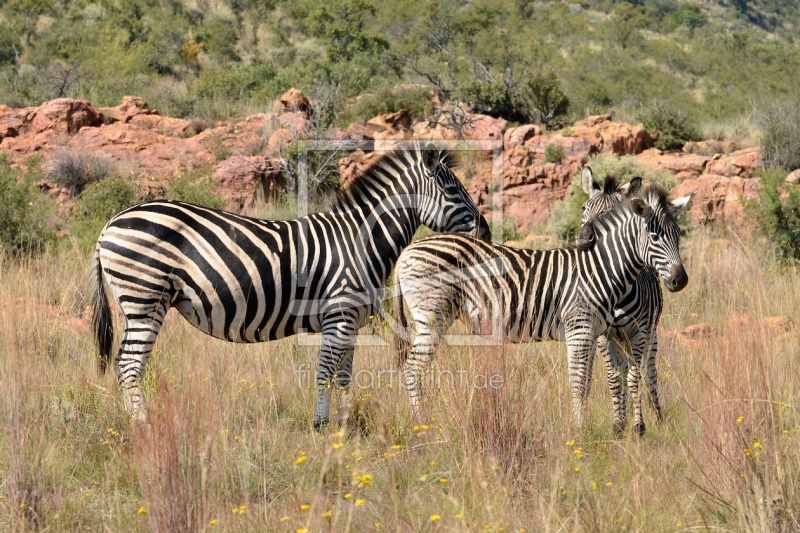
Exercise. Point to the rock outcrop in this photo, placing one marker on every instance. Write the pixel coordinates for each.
(522, 170)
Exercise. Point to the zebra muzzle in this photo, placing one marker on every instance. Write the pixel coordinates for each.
(677, 280)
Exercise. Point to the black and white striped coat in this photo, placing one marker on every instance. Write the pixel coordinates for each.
(242, 279)
(633, 334)
(522, 295)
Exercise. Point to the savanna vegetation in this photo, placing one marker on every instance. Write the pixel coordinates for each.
(229, 445)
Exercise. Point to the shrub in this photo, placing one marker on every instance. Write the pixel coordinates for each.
(489, 98)
(76, 171)
(565, 219)
(25, 215)
(99, 202)
(541, 99)
(388, 99)
(553, 153)
(671, 127)
(195, 190)
(776, 213)
(780, 135)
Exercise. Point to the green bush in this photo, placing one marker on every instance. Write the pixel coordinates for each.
(565, 218)
(780, 135)
(672, 127)
(776, 213)
(553, 153)
(540, 98)
(99, 202)
(195, 190)
(26, 225)
(388, 99)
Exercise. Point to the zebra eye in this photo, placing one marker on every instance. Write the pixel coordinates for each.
(654, 236)
(451, 190)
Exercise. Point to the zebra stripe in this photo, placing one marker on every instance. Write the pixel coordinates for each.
(633, 334)
(563, 294)
(242, 279)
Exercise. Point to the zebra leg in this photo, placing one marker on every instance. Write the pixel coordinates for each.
(651, 375)
(426, 342)
(637, 344)
(344, 376)
(616, 367)
(580, 351)
(338, 334)
(134, 351)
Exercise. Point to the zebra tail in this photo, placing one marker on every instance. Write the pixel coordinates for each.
(402, 340)
(101, 317)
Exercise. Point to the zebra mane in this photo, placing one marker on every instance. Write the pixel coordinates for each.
(655, 196)
(652, 194)
(611, 184)
(431, 152)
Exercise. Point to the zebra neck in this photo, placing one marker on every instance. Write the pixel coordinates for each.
(617, 256)
(382, 224)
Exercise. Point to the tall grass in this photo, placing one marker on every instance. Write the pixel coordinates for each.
(229, 445)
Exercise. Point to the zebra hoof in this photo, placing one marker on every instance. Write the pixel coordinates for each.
(639, 428)
(320, 423)
(619, 429)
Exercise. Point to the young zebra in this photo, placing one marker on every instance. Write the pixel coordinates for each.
(242, 279)
(633, 335)
(564, 294)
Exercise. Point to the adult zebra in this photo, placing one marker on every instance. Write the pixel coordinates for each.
(633, 333)
(563, 294)
(248, 280)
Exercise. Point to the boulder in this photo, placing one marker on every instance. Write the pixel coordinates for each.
(516, 136)
(793, 177)
(293, 100)
(64, 115)
(719, 198)
(484, 127)
(241, 179)
(741, 163)
(127, 109)
(397, 121)
(617, 138)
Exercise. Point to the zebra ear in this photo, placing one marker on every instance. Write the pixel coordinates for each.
(587, 180)
(632, 187)
(679, 205)
(431, 156)
(640, 208)
(585, 238)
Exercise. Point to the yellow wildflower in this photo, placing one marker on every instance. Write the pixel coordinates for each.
(359, 502)
(740, 420)
(337, 445)
(348, 496)
(327, 514)
(285, 518)
(305, 507)
(213, 522)
(444, 480)
(435, 518)
(142, 511)
(594, 485)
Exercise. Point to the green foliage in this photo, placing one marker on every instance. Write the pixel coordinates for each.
(388, 99)
(671, 126)
(565, 218)
(553, 153)
(690, 16)
(219, 38)
(26, 225)
(99, 202)
(780, 135)
(541, 99)
(776, 213)
(508, 232)
(344, 24)
(195, 190)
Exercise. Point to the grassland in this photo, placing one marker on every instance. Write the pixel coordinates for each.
(229, 446)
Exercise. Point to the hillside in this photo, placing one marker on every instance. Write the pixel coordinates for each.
(218, 59)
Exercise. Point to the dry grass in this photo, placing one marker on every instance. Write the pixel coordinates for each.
(230, 448)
